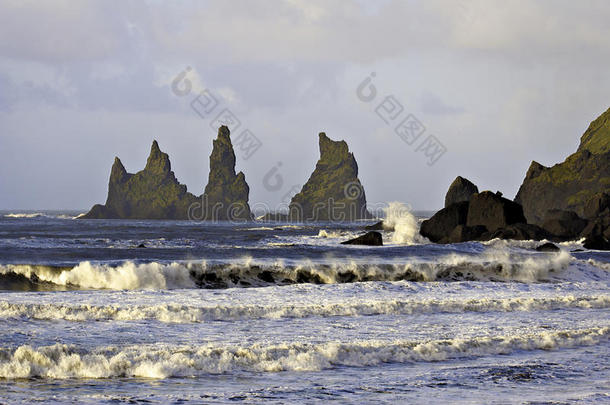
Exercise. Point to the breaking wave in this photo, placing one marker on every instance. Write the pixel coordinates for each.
(175, 313)
(127, 276)
(161, 361)
(488, 266)
(38, 215)
(406, 227)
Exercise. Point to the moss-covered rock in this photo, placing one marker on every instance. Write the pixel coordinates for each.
(596, 137)
(226, 194)
(571, 184)
(333, 191)
(152, 193)
(155, 193)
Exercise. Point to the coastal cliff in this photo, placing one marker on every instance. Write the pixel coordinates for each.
(569, 185)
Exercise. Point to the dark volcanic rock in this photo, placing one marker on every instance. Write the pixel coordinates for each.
(571, 184)
(598, 205)
(563, 224)
(597, 233)
(370, 238)
(460, 190)
(378, 226)
(226, 194)
(597, 243)
(152, 193)
(487, 216)
(463, 233)
(441, 224)
(333, 191)
(518, 231)
(548, 247)
(155, 193)
(493, 211)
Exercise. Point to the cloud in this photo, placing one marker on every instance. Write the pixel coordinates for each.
(500, 83)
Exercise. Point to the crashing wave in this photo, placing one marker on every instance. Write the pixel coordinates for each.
(489, 266)
(175, 313)
(404, 224)
(163, 361)
(37, 215)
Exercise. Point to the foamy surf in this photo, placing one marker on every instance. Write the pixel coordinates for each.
(491, 265)
(175, 313)
(128, 276)
(61, 361)
(404, 225)
(29, 215)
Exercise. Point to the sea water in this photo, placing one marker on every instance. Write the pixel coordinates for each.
(282, 313)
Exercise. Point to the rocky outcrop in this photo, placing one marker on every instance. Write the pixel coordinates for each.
(493, 211)
(548, 247)
(226, 194)
(377, 226)
(518, 231)
(570, 185)
(460, 190)
(333, 191)
(440, 226)
(155, 193)
(597, 206)
(597, 231)
(369, 239)
(486, 216)
(152, 193)
(563, 224)
(463, 233)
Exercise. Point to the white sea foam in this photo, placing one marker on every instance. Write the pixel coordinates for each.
(24, 215)
(403, 222)
(323, 233)
(491, 265)
(175, 313)
(38, 215)
(127, 276)
(162, 361)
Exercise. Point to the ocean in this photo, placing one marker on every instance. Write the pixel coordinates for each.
(118, 311)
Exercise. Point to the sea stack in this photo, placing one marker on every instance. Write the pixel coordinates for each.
(226, 194)
(155, 193)
(152, 193)
(333, 191)
(569, 186)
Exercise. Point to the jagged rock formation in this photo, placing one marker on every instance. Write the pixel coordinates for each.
(493, 211)
(155, 193)
(460, 190)
(441, 225)
(486, 216)
(368, 239)
(570, 185)
(333, 191)
(226, 194)
(152, 193)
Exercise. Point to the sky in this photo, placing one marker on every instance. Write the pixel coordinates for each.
(476, 88)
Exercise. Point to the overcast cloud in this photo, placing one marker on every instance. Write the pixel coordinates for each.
(499, 83)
